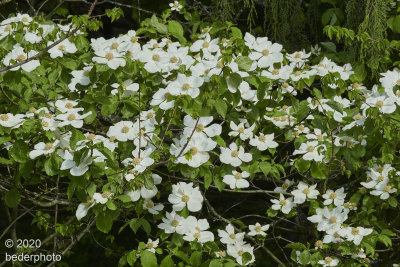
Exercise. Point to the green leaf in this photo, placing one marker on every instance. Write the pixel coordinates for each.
(396, 24)
(104, 222)
(167, 262)
(19, 151)
(221, 107)
(216, 263)
(319, 170)
(148, 259)
(246, 257)
(131, 257)
(75, 137)
(392, 202)
(12, 198)
(176, 29)
(262, 90)
(236, 32)
(265, 167)
(305, 257)
(302, 165)
(195, 258)
(329, 46)
(161, 28)
(244, 63)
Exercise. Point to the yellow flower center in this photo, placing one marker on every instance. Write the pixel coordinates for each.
(86, 73)
(282, 202)
(238, 176)
(194, 151)
(71, 117)
(306, 191)
(398, 82)
(275, 72)
(379, 104)
(174, 223)
(285, 85)
(199, 128)
(91, 136)
(69, 105)
(298, 55)
(155, 45)
(136, 161)
(356, 85)
(355, 231)
(109, 56)
(265, 52)
(114, 45)
(106, 194)
(185, 86)
(125, 129)
(258, 228)
(297, 73)
(149, 204)
(206, 44)
(241, 130)
(235, 153)
(196, 235)
(333, 195)
(328, 259)
(112, 138)
(150, 245)
(232, 236)
(61, 47)
(310, 148)
(21, 57)
(45, 124)
(48, 146)
(185, 198)
(262, 138)
(156, 57)
(332, 219)
(173, 59)
(134, 39)
(4, 117)
(8, 28)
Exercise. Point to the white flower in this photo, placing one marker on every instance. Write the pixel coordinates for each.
(60, 49)
(228, 236)
(328, 261)
(237, 180)
(329, 218)
(203, 127)
(102, 198)
(123, 131)
(83, 209)
(196, 230)
(160, 99)
(184, 85)
(69, 163)
(112, 58)
(141, 163)
(263, 142)
(152, 245)
(18, 55)
(72, 118)
(11, 121)
(310, 151)
(257, 229)
(149, 205)
(266, 53)
(172, 223)
(184, 194)
(303, 192)
(234, 155)
(336, 197)
(244, 133)
(385, 104)
(195, 153)
(383, 190)
(128, 87)
(390, 79)
(43, 149)
(355, 234)
(238, 249)
(283, 204)
(175, 6)
(283, 188)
